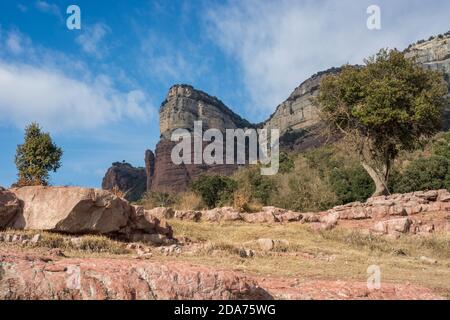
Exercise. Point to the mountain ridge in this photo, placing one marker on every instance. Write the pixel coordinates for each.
(296, 118)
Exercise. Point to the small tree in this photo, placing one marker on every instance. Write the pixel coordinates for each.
(36, 157)
(388, 105)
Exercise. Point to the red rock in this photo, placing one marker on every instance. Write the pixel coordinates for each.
(29, 277)
(443, 196)
(393, 226)
(260, 217)
(172, 178)
(191, 215)
(127, 179)
(290, 216)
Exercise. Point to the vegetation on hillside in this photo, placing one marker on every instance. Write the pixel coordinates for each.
(314, 180)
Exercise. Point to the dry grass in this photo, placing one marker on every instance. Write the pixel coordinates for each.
(189, 201)
(88, 244)
(337, 254)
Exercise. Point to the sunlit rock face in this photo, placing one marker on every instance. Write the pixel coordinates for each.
(184, 105)
(433, 54)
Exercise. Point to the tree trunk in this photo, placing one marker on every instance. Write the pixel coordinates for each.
(380, 180)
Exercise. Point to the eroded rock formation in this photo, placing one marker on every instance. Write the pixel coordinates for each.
(131, 181)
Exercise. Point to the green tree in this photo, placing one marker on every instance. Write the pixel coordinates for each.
(37, 157)
(388, 105)
(214, 189)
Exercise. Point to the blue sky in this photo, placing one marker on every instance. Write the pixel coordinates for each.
(98, 90)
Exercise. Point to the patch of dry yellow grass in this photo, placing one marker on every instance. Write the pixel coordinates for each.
(337, 254)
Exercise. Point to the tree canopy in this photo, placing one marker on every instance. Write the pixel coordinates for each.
(36, 157)
(388, 105)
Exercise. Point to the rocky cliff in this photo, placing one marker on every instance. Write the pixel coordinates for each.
(296, 118)
(184, 105)
(298, 111)
(124, 177)
(434, 54)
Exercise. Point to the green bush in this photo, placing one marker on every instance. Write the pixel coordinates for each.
(441, 147)
(286, 163)
(352, 184)
(259, 187)
(214, 190)
(424, 174)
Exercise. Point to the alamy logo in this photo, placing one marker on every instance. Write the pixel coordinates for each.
(73, 281)
(236, 148)
(374, 279)
(374, 20)
(73, 22)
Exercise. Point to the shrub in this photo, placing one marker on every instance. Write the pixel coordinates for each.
(286, 163)
(189, 201)
(214, 190)
(424, 174)
(303, 190)
(259, 188)
(441, 147)
(352, 184)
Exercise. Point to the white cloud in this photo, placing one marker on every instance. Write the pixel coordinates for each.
(171, 62)
(60, 103)
(49, 8)
(61, 92)
(14, 42)
(91, 41)
(278, 44)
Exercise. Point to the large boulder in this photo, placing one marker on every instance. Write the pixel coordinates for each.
(9, 207)
(71, 210)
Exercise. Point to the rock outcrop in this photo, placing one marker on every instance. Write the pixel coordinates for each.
(184, 105)
(70, 210)
(33, 277)
(74, 210)
(298, 113)
(434, 54)
(131, 181)
(169, 177)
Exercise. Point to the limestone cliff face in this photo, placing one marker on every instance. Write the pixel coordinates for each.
(433, 54)
(184, 105)
(298, 111)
